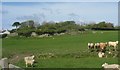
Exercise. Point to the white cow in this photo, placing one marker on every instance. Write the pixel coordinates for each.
(29, 60)
(101, 54)
(111, 66)
(113, 44)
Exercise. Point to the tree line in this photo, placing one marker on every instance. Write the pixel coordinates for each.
(27, 27)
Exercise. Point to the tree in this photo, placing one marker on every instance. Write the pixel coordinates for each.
(102, 24)
(28, 23)
(105, 25)
(110, 25)
(16, 24)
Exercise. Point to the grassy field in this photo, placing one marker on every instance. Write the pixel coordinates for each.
(70, 51)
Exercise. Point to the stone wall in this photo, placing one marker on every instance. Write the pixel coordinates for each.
(4, 64)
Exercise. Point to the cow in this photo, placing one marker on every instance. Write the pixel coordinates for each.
(101, 54)
(97, 46)
(29, 60)
(90, 46)
(113, 44)
(102, 46)
(107, 66)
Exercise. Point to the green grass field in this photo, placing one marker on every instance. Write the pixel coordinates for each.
(65, 48)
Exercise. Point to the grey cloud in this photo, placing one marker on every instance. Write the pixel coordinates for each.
(73, 15)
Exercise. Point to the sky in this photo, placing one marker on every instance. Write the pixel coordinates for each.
(58, 11)
(60, 0)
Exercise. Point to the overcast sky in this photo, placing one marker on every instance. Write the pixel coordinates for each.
(58, 11)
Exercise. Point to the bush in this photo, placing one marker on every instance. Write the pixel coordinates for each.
(3, 35)
(26, 31)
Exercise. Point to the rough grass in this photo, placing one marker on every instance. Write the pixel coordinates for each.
(89, 62)
(70, 51)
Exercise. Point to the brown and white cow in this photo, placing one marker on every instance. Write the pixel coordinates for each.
(102, 46)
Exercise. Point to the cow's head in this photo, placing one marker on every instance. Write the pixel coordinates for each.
(106, 43)
(104, 64)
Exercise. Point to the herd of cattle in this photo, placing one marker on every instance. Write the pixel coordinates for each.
(101, 47)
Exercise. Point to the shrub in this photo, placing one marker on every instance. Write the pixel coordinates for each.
(3, 35)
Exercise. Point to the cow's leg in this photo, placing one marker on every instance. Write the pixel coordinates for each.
(115, 48)
(26, 65)
(31, 64)
(97, 48)
(92, 48)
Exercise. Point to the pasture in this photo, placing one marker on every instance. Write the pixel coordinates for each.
(70, 51)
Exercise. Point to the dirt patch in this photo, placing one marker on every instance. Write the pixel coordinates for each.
(18, 57)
